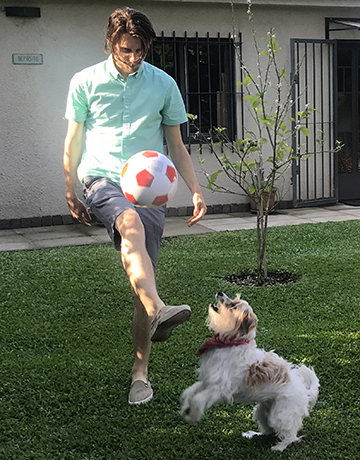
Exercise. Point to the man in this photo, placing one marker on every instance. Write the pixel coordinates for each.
(121, 106)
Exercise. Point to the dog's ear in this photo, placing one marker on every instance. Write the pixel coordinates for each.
(237, 299)
(246, 321)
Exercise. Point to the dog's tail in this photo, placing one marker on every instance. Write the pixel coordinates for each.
(311, 383)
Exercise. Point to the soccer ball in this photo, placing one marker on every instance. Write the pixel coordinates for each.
(149, 179)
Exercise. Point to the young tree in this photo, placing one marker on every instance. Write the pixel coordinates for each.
(257, 161)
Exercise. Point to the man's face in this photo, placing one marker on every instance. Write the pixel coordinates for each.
(128, 54)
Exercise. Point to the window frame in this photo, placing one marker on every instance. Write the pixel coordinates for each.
(224, 96)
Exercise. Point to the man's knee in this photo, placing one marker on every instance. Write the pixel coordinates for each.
(129, 224)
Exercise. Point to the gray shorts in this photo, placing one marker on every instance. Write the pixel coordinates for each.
(106, 201)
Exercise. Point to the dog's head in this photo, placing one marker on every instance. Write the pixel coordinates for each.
(230, 318)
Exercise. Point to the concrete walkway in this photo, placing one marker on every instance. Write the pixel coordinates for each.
(77, 235)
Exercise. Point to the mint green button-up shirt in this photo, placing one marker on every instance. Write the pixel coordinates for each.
(121, 117)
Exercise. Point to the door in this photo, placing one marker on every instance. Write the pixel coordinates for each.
(348, 112)
(314, 176)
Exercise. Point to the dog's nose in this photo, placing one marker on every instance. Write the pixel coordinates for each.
(219, 296)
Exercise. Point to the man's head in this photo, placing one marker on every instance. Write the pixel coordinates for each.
(132, 22)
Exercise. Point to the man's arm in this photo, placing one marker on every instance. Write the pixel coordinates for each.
(71, 160)
(183, 164)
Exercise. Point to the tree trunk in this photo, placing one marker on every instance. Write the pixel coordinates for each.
(262, 226)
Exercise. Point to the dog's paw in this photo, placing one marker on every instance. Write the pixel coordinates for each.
(250, 434)
(190, 414)
(185, 411)
(186, 414)
(278, 447)
(282, 445)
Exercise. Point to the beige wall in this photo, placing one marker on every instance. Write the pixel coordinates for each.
(70, 36)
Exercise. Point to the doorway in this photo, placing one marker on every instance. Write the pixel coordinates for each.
(313, 69)
(348, 115)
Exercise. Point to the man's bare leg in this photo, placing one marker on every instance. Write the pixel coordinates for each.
(140, 390)
(137, 262)
(152, 319)
(141, 342)
(140, 271)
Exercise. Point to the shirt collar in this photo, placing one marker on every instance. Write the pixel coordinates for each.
(116, 74)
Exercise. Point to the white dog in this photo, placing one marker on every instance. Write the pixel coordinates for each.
(234, 370)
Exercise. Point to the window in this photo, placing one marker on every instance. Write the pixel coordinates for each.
(204, 69)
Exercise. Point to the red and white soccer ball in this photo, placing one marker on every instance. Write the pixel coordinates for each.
(149, 179)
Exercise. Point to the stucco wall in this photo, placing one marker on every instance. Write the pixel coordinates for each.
(70, 36)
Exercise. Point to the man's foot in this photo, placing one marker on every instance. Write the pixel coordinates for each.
(140, 392)
(166, 320)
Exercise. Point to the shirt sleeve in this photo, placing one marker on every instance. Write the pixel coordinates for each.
(174, 112)
(77, 102)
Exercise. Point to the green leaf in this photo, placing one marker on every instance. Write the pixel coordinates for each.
(282, 126)
(213, 187)
(274, 44)
(280, 155)
(267, 188)
(305, 131)
(248, 80)
(251, 165)
(191, 117)
(252, 189)
(255, 101)
(212, 178)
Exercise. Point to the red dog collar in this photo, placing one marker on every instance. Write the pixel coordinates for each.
(215, 342)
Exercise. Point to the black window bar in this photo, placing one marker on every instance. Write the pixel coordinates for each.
(206, 72)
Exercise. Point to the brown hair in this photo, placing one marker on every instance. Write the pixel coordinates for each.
(128, 21)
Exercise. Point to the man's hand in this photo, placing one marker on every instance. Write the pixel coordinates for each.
(199, 209)
(79, 211)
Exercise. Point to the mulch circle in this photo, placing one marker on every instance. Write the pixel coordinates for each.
(275, 278)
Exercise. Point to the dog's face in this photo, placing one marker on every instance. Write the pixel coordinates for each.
(231, 318)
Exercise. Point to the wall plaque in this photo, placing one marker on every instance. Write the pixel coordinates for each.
(27, 59)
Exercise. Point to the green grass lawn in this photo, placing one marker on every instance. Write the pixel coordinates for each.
(66, 349)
